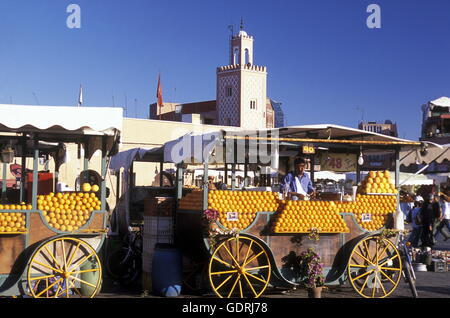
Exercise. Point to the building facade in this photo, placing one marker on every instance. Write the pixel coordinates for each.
(279, 114)
(386, 128)
(241, 94)
(379, 161)
(436, 121)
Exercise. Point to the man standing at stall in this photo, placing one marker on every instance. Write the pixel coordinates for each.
(445, 216)
(297, 184)
(431, 211)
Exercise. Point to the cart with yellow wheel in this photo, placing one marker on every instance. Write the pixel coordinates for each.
(50, 236)
(254, 241)
(242, 241)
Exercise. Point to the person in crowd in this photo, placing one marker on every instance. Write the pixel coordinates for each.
(445, 216)
(211, 185)
(297, 184)
(430, 212)
(416, 232)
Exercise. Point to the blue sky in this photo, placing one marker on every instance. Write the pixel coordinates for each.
(324, 64)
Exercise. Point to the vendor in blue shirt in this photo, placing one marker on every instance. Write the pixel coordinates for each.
(297, 183)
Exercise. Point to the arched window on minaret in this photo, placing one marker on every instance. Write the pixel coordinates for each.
(235, 56)
(247, 56)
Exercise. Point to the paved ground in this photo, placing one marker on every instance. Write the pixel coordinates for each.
(429, 285)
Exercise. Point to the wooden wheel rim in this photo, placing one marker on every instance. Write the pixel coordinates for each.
(239, 273)
(56, 269)
(374, 265)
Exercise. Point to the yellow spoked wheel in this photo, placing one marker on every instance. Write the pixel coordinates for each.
(64, 268)
(239, 267)
(375, 267)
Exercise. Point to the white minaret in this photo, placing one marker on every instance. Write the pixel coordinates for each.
(242, 87)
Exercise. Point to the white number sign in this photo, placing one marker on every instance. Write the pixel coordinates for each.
(232, 216)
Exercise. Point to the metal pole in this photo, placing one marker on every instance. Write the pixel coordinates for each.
(130, 190)
(117, 186)
(161, 168)
(233, 176)
(86, 160)
(179, 181)
(35, 175)
(24, 169)
(226, 174)
(245, 173)
(3, 198)
(397, 176)
(358, 171)
(103, 175)
(205, 184)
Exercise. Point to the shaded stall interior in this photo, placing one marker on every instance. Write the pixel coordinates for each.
(26, 139)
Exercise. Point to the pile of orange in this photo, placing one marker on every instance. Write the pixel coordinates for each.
(303, 216)
(378, 206)
(192, 201)
(12, 222)
(377, 182)
(299, 216)
(243, 201)
(69, 211)
(246, 203)
(21, 206)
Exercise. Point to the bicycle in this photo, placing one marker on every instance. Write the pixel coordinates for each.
(125, 263)
(409, 275)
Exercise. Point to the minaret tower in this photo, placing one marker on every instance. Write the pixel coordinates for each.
(242, 86)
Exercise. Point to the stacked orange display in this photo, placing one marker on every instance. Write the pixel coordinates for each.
(192, 201)
(13, 222)
(371, 211)
(246, 203)
(303, 216)
(243, 201)
(377, 206)
(70, 211)
(377, 182)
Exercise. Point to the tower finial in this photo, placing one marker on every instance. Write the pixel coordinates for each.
(242, 24)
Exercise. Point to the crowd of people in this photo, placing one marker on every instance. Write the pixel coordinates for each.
(429, 218)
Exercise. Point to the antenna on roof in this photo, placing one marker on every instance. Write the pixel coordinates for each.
(35, 97)
(362, 112)
(126, 104)
(135, 107)
(80, 97)
(231, 28)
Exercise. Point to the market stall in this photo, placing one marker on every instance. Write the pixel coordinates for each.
(51, 239)
(245, 241)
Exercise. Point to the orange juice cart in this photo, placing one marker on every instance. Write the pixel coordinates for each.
(253, 242)
(49, 239)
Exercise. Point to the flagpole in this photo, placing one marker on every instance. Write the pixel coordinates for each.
(80, 97)
(159, 103)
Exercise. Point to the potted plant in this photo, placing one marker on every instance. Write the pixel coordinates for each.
(311, 272)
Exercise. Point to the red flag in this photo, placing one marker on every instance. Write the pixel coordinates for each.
(159, 92)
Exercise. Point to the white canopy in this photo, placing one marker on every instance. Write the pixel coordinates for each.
(88, 120)
(329, 175)
(193, 148)
(65, 124)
